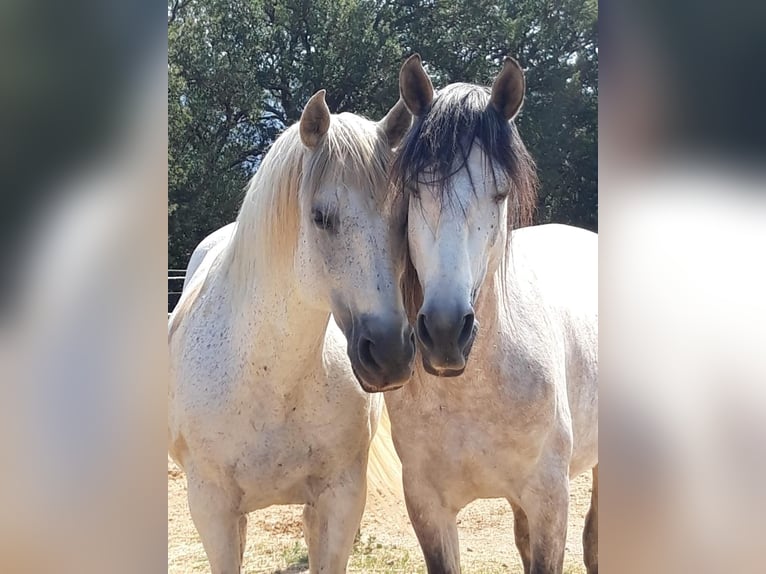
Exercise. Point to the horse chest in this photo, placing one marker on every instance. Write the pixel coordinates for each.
(281, 461)
(474, 440)
(273, 440)
(484, 451)
(277, 466)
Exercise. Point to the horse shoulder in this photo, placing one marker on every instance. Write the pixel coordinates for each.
(204, 371)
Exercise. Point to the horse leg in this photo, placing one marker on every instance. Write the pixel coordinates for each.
(435, 527)
(242, 537)
(220, 526)
(331, 521)
(545, 501)
(521, 534)
(590, 533)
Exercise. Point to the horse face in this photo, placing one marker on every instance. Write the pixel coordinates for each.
(453, 242)
(457, 163)
(352, 248)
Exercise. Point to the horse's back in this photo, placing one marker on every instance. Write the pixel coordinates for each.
(562, 259)
(203, 264)
(558, 265)
(217, 237)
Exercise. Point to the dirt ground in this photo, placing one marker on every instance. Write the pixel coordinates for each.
(387, 543)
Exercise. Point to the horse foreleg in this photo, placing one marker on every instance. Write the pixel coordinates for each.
(221, 526)
(545, 502)
(435, 527)
(331, 521)
(590, 533)
(521, 534)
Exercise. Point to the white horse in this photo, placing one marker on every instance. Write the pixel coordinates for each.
(519, 418)
(264, 404)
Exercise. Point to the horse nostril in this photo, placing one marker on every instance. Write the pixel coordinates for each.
(365, 354)
(467, 329)
(423, 334)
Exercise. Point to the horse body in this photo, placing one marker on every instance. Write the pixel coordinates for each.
(264, 405)
(504, 401)
(252, 429)
(247, 413)
(533, 372)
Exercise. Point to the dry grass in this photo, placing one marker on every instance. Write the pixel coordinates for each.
(386, 543)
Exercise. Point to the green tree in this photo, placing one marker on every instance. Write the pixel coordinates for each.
(241, 70)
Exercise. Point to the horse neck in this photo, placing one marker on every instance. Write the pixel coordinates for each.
(278, 329)
(490, 303)
(280, 333)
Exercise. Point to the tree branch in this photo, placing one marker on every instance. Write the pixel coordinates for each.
(244, 156)
(177, 6)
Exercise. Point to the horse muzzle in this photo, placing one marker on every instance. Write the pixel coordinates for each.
(382, 353)
(446, 335)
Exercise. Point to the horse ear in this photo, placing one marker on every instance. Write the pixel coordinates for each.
(508, 89)
(396, 123)
(415, 86)
(315, 120)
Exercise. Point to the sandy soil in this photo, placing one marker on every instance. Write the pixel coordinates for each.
(387, 543)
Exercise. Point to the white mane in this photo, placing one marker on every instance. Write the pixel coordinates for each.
(353, 152)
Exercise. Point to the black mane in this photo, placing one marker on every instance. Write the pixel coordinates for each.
(440, 141)
(438, 146)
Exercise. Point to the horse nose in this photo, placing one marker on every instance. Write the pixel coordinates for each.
(386, 354)
(445, 331)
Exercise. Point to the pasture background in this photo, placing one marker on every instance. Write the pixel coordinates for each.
(240, 71)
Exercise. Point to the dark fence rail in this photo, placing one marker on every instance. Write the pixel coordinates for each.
(175, 285)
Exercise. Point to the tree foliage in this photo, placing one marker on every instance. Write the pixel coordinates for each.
(241, 70)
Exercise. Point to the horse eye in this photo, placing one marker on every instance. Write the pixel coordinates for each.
(321, 220)
(500, 197)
